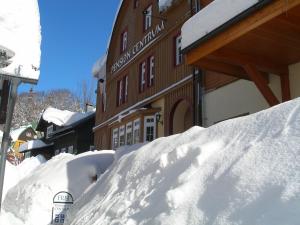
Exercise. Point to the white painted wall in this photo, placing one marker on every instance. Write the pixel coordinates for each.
(294, 71)
(235, 99)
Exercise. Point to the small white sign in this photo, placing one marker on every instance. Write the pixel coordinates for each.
(62, 202)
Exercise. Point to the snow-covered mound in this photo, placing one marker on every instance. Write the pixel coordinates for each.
(241, 171)
(13, 174)
(20, 32)
(30, 202)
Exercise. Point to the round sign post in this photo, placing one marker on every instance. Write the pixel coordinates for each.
(62, 202)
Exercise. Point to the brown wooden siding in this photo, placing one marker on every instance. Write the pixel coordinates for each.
(184, 92)
(214, 80)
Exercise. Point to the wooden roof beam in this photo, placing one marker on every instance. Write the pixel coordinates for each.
(258, 18)
(262, 63)
(261, 84)
(221, 67)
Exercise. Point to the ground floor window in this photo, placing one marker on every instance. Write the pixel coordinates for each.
(56, 152)
(71, 149)
(136, 131)
(149, 128)
(122, 135)
(115, 140)
(129, 133)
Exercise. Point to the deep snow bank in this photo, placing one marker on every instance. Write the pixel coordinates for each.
(242, 171)
(30, 202)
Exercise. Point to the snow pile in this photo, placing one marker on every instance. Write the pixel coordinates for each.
(31, 145)
(63, 117)
(99, 69)
(31, 200)
(211, 17)
(13, 174)
(20, 32)
(242, 171)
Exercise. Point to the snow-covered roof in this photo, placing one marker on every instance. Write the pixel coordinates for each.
(20, 32)
(63, 117)
(211, 17)
(32, 145)
(99, 68)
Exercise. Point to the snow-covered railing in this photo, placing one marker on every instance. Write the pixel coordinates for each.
(211, 17)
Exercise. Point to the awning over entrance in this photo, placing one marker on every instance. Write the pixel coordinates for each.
(250, 46)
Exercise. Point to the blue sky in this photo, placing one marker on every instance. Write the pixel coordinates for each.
(74, 36)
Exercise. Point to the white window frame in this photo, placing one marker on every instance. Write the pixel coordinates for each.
(57, 152)
(148, 17)
(129, 131)
(149, 124)
(115, 136)
(197, 6)
(124, 41)
(136, 126)
(122, 133)
(151, 70)
(49, 130)
(71, 149)
(120, 91)
(126, 88)
(143, 76)
(178, 54)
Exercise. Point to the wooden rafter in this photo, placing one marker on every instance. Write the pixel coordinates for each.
(285, 87)
(258, 18)
(221, 67)
(262, 63)
(261, 84)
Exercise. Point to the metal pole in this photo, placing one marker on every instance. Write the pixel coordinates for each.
(6, 135)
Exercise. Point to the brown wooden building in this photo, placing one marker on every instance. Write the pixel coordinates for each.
(149, 91)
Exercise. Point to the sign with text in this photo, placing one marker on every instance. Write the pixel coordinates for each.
(62, 202)
(138, 47)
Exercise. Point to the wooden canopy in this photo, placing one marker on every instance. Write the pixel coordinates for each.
(267, 41)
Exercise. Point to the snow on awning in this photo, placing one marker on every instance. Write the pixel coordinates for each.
(63, 117)
(21, 32)
(211, 17)
(32, 145)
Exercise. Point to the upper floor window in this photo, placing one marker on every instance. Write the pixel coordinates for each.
(147, 17)
(151, 71)
(142, 76)
(49, 131)
(135, 4)
(178, 54)
(122, 90)
(124, 41)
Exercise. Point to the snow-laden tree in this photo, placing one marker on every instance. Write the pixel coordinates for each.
(29, 106)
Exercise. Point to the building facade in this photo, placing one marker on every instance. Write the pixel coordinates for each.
(147, 89)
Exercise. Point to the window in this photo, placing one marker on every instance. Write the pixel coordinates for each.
(115, 139)
(126, 88)
(149, 128)
(135, 4)
(124, 40)
(122, 135)
(151, 71)
(122, 90)
(142, 72)
(71, 149)
(56, 152)
(196, 6)
(129, 133)
(63, 150)
(136, 131)
(177, 45)
(49, 131)
(147, 17)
